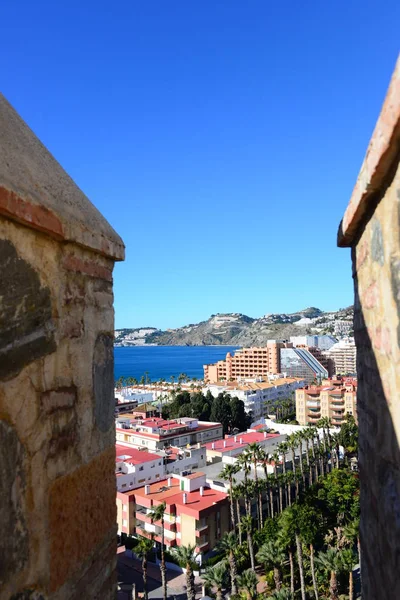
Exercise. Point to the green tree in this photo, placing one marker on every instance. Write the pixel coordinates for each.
(329, 562)
(157, 514)
(221, 412)
(228, 475)
(348, 436)
(229, 545)
(216, 577)
(186, 556)
(247, 581)
(256, 455)
(247, 526)
(142, 550)
(239, 419)
(272, 555)
(347, 561)
(290, 536)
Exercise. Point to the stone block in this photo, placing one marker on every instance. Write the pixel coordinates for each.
(82, 512)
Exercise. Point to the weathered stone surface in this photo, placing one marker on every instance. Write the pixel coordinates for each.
(60, 398)
(26, 324)
(103, 381)
(14, 543)
(82, 511)
(57, 445)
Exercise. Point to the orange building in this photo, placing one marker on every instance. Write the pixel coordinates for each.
(247, 363)
(194, 515)
(335, 399)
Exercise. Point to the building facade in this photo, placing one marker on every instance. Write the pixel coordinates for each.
(334, 401)
(158, 434)
(344, 357)
(259, 397)
(302, 364)
(195, 514)
(247, 363)
(323, 342)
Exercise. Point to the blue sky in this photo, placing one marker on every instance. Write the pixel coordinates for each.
(221, 139)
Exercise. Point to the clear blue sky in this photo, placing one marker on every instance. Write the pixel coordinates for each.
(221, 139)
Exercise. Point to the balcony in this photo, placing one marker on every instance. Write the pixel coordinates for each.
(200, 529)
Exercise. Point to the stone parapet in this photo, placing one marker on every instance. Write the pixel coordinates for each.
(57, 435)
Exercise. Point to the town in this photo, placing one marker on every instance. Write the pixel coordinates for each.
(199, 463)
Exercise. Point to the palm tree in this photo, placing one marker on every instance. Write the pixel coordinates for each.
(282, 594)
(216, 577)
(299, 437)
(247, 581)
(292, 441)
(329, 561)
(247, 524)
(186, 556)
(283, 449)
(347, 562)
(272, 555)
(227, 474)
(142, 550)
(256, 453)
(237, 495)
(243, 462)
(352, 535)
(229, 544)
(157, 514)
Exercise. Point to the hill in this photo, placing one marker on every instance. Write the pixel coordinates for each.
(236, 329)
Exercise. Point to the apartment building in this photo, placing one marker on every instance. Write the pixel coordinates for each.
(195, 514)
(334, 399)
(323, 342)
(135, 467)
(344, 356)
(247, 363)
(233, 445)
(258, 397)
(158, 434)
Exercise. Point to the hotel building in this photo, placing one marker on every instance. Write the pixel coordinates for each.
(334, 399)
(247, 363)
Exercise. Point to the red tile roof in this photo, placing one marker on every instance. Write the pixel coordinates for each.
(134, 456)
(247, 438)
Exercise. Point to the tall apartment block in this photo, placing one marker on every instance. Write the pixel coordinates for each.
(334, 400)
(344, 357)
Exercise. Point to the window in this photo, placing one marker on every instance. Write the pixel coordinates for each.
(157, 476)
(124, 485)
(141, 468)
(124, 507)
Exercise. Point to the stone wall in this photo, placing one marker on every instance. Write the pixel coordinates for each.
(371, 226)
(57, 436)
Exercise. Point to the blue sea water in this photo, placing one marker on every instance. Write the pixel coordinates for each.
(164, 361)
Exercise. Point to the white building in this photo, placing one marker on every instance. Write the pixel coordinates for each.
(259, 396)
(342, 328)
(323, 342)
(135, 468)
(344, 356)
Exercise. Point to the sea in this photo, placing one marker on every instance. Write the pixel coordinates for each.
(161, 362)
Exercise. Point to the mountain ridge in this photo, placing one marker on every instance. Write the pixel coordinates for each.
(237, 329)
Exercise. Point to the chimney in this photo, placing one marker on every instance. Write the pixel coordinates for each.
(235, 438)
(184, 498)
(241, 441)
(169, 481)
(201, 491)
(265, 434)
(224, 444)
(147, 490)
(213, 446)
